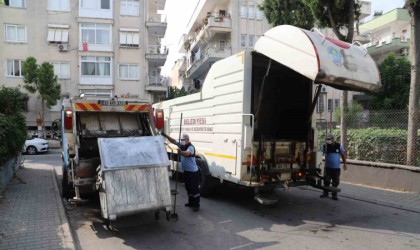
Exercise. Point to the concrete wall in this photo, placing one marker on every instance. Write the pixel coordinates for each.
(8, 170)
(380, 175)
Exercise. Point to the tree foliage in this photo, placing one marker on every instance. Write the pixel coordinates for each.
(12, 122)
(175, 92)
(395, 78)
(41, 79)
(352, 113)
(340, 15)
(293, 12)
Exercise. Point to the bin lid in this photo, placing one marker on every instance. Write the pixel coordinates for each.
(324, 60)
(128, 152)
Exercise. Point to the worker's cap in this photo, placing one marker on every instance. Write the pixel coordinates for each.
(185, 136)
(330, 137)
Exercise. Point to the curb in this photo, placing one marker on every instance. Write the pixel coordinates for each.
(68, 239)
(377, 202)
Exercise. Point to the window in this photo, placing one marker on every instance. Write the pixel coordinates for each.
(320, 105)
(61, 69)
(129, 71)
(251, 12)
(96, 66)
(243, 11)
(15, 33)
(96, 4)
(258, 14)
(222, 45)
(129, 38)
(59, 5)
(130, 8)
(58, 34)
(243, 41)
(15, 3)
(96, 33)
(330, 106)
(250, 40)
(14, 68)
(337, 103)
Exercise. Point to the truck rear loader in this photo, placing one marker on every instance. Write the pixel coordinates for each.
(110, 148)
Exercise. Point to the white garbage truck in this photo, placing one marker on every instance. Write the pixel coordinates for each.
(110, 148)
(253, 121)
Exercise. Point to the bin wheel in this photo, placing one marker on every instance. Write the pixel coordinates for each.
(157, 215)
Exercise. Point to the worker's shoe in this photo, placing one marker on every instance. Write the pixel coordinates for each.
(324, 195)
(196, 208)
(335, 197)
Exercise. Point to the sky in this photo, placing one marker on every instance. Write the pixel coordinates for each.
(179, 12)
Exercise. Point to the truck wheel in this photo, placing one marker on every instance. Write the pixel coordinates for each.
(204, 178)
(65, 189)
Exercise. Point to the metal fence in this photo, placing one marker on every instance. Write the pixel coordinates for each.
(377, 136)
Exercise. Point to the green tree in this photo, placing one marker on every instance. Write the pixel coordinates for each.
(293, 12)
(12, 122)
(41, 79)
(395, 78)
(352, 115)
(175, 92)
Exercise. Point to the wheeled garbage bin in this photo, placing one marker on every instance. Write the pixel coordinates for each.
(133, 176)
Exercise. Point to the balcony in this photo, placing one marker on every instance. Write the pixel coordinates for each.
(156, 24)
(184, 82)
(157, 84)
(210, 26)
(156, 54)
(388, 45)
(200, 61)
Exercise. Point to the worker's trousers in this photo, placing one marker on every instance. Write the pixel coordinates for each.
(332, 175)
(192, 185)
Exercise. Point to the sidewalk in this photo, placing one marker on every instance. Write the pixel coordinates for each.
(402, 200)
(31, 212)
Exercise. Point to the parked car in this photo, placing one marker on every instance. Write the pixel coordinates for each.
(36, 145)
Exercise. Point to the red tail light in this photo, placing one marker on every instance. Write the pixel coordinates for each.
(159, 119)
(68, 119)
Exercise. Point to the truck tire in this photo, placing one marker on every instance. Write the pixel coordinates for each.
(204, 177)
(65, 188)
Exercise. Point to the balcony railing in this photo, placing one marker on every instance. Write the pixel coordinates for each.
(388, 45)
(157, 50)
(158, 81)
(156, 18)
(214, 51)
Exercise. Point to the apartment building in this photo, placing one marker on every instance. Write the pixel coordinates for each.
(216, 30)
(387, 33)
(102, 48)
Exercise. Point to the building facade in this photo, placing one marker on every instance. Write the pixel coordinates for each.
(102, 48)
(217, 29)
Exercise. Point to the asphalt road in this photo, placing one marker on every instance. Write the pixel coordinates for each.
(231, 219)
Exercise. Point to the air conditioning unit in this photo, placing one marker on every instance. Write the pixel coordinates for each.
(63, 47)
(404, 52)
